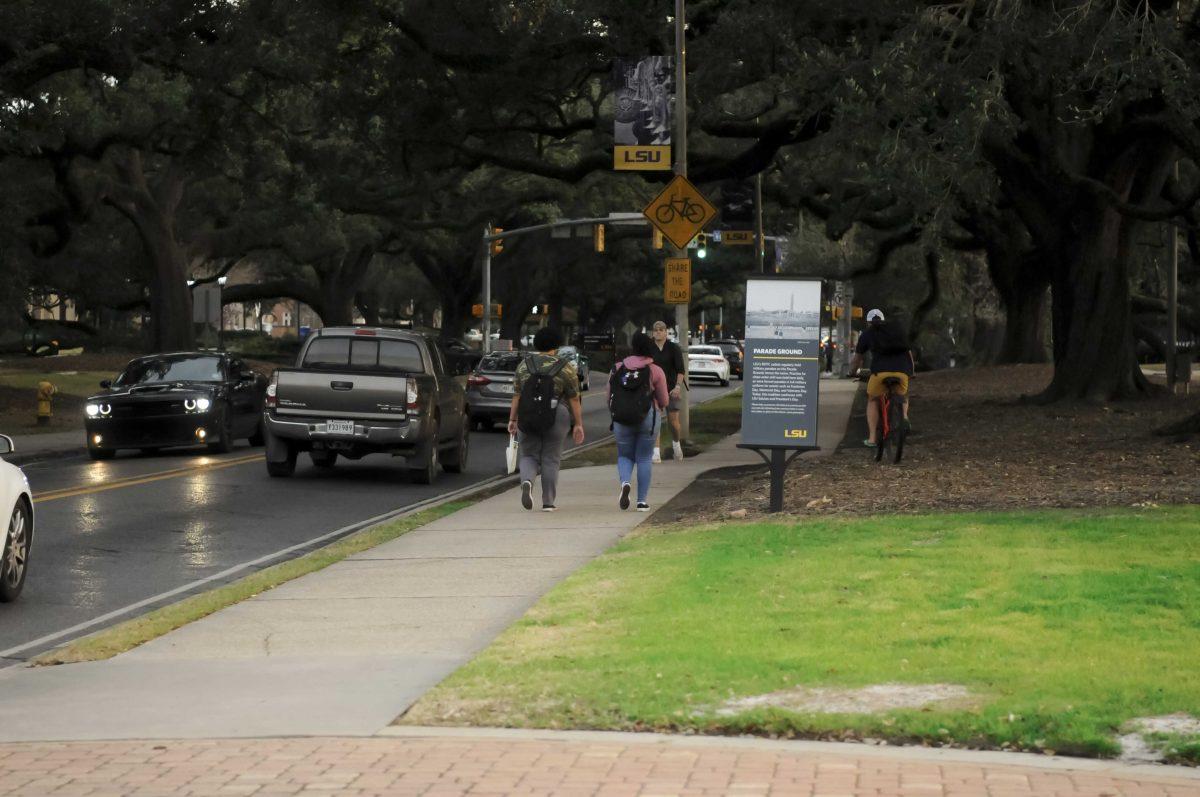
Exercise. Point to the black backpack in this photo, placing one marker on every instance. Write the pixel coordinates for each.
(629, 394)
(536, 410)
(888, 337)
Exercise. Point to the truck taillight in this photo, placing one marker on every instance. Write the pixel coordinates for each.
(412, 394)
(272, 390)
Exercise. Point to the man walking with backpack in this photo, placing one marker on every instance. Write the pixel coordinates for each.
(545, 405)
(891, 357)
(637, 392)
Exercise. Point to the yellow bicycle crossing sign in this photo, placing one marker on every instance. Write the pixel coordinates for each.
(680, 211)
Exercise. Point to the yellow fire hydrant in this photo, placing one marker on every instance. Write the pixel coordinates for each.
(44, 391)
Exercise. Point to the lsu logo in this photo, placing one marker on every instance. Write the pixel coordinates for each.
(795, 434)
(655, 157)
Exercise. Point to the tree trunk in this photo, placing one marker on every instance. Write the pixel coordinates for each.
(455, 313)
(1093, 323)
(1024, 322)
(170, 296)
(152, 209)
(340, 280)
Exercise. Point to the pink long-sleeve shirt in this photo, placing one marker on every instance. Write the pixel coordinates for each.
(658, 380)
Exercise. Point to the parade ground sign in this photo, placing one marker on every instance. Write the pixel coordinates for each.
(783, 336)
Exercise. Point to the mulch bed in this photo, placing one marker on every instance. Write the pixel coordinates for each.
(978, 446)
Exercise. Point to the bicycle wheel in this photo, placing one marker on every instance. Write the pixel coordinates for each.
(693, 213)
(897, 423)
(665, 214)
(883, 436)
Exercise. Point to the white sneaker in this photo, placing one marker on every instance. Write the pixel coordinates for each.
(624, 501)
(656, 458)
(677, 449)
(643, 506)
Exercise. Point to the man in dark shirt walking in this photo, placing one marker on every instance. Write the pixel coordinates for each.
(669, 357)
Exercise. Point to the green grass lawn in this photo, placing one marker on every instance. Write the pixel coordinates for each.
(712, 421)
(18, 399)
(76, 383)
(1063, 626)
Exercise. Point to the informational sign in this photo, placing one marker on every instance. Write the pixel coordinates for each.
(783, 335)
(737, 237)
(644, 98)
(680, 211)
(677, 286)
(599, 341)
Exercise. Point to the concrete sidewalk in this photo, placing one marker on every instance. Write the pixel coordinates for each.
(346, 650)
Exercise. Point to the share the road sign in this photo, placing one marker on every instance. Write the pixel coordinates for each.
(680, 212)
(677, 286)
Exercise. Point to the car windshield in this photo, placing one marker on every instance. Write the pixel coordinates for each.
(500, 362)
(706, 350)
(728, 348)
(182, 368)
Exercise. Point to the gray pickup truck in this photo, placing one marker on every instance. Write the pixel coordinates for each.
(365, 390)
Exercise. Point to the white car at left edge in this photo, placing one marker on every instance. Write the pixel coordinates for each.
(16, 512)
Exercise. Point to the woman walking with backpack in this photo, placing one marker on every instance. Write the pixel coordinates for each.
(637, 393)
(544, 386)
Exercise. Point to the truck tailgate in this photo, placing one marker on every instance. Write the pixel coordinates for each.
(328, 394)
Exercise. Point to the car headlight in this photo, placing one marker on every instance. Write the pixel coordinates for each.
(101, 410)
(92, 410)
(203, 404)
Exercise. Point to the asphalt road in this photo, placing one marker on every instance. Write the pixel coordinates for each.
(119, 538)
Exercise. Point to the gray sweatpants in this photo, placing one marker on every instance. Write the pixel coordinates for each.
(543, 454)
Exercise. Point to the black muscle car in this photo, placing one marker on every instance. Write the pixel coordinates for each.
(180, 399)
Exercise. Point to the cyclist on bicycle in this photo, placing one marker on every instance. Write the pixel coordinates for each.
(891, 358)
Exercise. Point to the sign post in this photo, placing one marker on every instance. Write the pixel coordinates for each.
(782, 372)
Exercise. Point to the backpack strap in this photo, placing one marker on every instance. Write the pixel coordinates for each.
(558, 366)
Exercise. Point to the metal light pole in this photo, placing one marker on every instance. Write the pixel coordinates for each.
(758, 236)
(680, 136)
(487, 289)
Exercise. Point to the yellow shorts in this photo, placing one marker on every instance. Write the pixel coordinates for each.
(876, 388)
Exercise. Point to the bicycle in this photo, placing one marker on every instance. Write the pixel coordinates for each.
(680, 206)
(891, 421)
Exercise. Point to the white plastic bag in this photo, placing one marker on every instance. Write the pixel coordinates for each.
(510, 455)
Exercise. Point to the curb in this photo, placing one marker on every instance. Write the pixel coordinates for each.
(45, 455)
(939, 755)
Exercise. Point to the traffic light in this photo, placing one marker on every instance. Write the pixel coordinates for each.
(702, 245)
(498, 244)
(598, 237)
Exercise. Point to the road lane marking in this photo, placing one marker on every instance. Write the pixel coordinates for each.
(133, 481)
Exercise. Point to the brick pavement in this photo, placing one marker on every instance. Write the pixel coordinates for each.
(497, 766)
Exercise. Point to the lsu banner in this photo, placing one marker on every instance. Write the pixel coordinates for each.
(644, 100)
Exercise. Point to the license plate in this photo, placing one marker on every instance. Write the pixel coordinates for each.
(504, 388)
(339, 427)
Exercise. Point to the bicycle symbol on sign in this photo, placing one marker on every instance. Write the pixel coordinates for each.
(680, 207)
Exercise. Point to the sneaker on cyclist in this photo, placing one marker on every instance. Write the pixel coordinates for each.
(869, 443)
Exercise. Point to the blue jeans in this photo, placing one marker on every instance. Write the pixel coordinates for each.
(635, 445)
